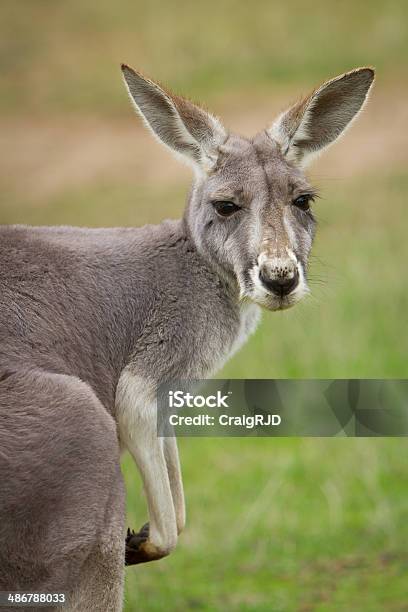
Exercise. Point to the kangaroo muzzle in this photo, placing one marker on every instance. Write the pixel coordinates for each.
(280, 276)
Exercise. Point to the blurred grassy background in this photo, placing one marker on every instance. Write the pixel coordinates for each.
(272, 524)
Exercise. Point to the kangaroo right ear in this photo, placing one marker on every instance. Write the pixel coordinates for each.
(185, 128)
(318, 120)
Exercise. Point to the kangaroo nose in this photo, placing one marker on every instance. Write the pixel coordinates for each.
(280, 282)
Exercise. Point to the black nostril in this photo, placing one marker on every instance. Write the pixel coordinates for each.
(281, 285)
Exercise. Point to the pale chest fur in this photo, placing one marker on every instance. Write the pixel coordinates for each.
(136, 390)
(249, 319)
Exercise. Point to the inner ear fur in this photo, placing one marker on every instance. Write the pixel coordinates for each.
(320, 118)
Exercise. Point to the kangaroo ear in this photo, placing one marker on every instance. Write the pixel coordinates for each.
(185, 128)
(319, 119)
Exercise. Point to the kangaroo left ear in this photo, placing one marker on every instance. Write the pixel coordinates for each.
(319, 119)
(185, 128)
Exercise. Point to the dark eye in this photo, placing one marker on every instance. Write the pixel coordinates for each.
(225, 208)
(303, 201)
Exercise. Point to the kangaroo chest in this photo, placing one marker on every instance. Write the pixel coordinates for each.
(205, 353)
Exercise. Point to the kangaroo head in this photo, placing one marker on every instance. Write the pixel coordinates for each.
(249, 211)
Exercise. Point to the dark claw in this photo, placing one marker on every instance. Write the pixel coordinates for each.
(133, 542)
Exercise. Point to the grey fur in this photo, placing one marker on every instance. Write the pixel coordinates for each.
(78, 306)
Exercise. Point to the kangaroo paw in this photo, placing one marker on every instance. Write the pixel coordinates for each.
(139, 549)
(133, 545)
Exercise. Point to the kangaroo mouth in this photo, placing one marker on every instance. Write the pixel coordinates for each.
(273, 302)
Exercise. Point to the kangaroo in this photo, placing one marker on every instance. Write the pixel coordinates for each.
(93, 320)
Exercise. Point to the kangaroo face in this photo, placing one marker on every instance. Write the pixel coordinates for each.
(252, 214)
(249, 212)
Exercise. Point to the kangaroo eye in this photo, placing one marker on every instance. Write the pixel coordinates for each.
(224, 208)
(303, 201)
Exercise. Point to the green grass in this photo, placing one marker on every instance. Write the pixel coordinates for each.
(283, 525)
